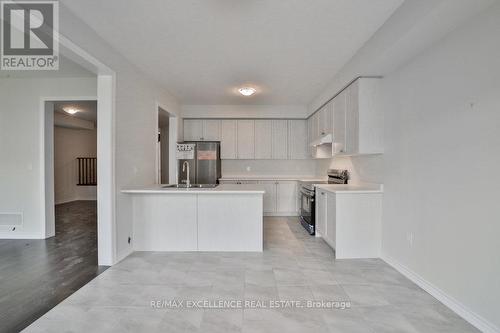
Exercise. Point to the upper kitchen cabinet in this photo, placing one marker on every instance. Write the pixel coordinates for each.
(246, 139)
(193, 130)
(201, 130)
(263, 139)
(325, 116)
(228, 139)
(298, 149)
(280, 139)
(211, 130)
(364, 118)
(354, 119)
(339, 104)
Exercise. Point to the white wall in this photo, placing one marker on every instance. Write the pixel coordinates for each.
(442, 160)
(137, 100)
(21, 126)
(68, 145)
(268, 168)
(441, 165)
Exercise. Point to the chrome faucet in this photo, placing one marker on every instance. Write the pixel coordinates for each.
(188, 183)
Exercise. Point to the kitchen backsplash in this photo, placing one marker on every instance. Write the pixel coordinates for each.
(268, 167)
(362, 169)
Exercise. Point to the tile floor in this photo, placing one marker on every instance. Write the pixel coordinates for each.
(294, 266)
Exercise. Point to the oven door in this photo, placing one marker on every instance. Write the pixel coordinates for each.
(307, 207)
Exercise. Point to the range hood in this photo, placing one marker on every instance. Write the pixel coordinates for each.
(327, 139)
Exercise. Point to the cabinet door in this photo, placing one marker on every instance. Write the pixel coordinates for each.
(246, 139)
(315, 126)
(269, 196)
(211, 130)
(193, 130)
(280, 139)
(321, 212)
(339, 122)
(322, 121)
(263, 139)
(287, 197)
(297, 140)
(352, 118)
(328, 118)
(331, 223)
(228, 139)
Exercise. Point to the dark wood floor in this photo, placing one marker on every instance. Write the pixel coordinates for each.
(35, 275)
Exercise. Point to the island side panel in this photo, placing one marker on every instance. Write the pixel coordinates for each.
(230, 222)
(165, 222)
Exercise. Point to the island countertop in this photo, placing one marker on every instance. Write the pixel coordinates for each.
(220, 189)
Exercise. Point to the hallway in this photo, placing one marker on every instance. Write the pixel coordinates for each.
(35, 275)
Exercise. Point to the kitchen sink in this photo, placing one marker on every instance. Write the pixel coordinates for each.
(190, 186)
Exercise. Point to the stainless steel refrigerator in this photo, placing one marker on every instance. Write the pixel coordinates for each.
(204, 162)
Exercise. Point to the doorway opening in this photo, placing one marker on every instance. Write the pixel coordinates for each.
(72, 141)
(166, 167)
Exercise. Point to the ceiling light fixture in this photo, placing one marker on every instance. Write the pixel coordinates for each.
(247, 91)
(71, 110)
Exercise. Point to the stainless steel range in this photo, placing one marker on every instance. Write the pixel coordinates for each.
(307, 197)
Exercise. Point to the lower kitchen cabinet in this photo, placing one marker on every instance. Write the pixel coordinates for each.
(321, 213)
(269, 196)
(286, 197)
(280, 198)
(350, 222)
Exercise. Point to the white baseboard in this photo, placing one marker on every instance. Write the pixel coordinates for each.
(463, 311)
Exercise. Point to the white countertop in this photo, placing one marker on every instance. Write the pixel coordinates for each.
(274, 177)
(221, 189)
(354, 188)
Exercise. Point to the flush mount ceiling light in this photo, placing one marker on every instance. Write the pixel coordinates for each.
(247, 91)
(71, 110)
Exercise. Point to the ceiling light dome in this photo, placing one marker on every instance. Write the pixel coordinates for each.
(70, 110)
(247, 91)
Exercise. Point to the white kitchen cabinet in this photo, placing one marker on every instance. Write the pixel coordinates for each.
(263, 139)
(321, 212)
(211, 130)
(339, 122)
(286, 193)
(315, 126)
(193, 130)
(331, 220)
(350, 222)
(325, 120)
(364, 118)
(246, 139)
(298, 147)
(269, 196)
(280, 139)
(201, 130)
(228, 139)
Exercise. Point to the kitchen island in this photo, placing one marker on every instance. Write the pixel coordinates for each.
(228, 217)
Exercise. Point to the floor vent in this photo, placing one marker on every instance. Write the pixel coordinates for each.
(11, 219)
